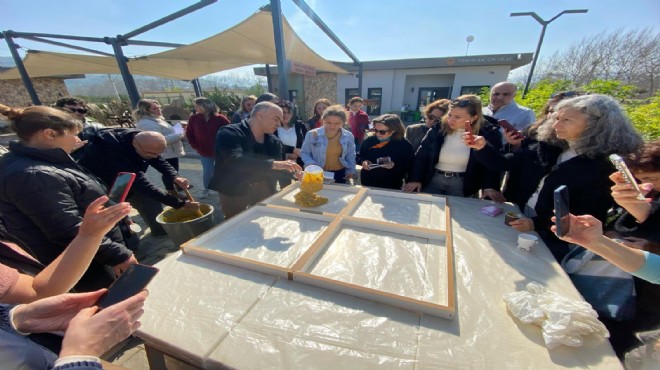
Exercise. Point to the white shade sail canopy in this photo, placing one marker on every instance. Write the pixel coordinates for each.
(249, 42)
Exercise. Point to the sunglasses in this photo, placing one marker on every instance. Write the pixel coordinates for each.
(79, 110)
(461, 103)
(503, 94)
(431, 117)
(382, 132)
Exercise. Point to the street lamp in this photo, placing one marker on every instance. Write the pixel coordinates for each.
(544, 24)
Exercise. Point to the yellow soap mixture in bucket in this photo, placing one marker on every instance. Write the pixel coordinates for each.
(184, 215)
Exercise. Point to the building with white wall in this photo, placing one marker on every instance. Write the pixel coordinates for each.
(390, 84)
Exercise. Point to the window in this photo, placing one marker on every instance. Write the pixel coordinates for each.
(351, 93)
(476, 90)
(374, 97)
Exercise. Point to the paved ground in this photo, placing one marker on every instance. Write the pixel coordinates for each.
(131, 354)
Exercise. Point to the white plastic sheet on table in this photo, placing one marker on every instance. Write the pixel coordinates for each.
(215, 315)
(400, 208)
(338, 198)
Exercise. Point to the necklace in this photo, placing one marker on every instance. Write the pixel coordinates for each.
(330, 138)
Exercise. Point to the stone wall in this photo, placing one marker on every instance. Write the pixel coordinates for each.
(13, 92)
(323, 85)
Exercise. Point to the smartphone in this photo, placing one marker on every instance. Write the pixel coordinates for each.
(562, 220)
(120, 187)
(509, 128)
(468, 129)
(130, 283)
(627, 175)
(383, 160)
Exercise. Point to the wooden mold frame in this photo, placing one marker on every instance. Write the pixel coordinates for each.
(322, 243)
(297, 271)
(194, 246)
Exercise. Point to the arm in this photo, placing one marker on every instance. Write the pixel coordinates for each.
(190, 133)
(587, 231)
(143, 186)
(626, 197)
(230, 146)
(306, 149)
(350, 156)
(65, 271)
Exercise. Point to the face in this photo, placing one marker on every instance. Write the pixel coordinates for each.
(502, 95)
(382, 131)
(270, 119)
(199, 109)
(154, 109)
(286, 115)
(74, 109)
(248, 105)
(356, 106)
(320, 108)
(457, 116)
(434, 115)
(569, 124)
(332, 124)
(66, 140)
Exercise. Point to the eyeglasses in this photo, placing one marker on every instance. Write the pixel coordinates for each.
(79, 110)
(503, 94)
(382, 132)
(461, 103)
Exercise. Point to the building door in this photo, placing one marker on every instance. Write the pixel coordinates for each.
(430, 94)
(374, 97)
(349, 93)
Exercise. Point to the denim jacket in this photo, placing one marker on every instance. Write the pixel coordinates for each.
(316, 143)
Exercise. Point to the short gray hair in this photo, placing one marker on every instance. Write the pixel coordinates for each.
(263, 106)
(608, 128)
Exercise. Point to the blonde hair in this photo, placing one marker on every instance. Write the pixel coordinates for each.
(143, 109)
(473, 105)
(246, 98)
(28, 121)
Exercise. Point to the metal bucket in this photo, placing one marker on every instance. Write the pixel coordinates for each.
(181, 232)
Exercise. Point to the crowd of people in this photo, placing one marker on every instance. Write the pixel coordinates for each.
(59, 233)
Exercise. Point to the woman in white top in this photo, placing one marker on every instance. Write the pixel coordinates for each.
(444, 165)
(149, 118)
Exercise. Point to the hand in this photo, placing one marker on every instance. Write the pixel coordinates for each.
(349, 176)
(53, 313)
(92, 333)
(522, 224)
(626, 197)
(120, 268)
(291, 157)
(99, 220)
(365, 165)
(513, 138)
(193, 206)
(181, 182)
(478, 143)
(289, 165)
(296, 151)
(493, 194)
(413, 186)
(584, 230)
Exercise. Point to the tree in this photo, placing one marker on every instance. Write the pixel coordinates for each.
(630, 57)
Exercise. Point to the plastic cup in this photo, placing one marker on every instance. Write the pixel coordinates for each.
(527, 241)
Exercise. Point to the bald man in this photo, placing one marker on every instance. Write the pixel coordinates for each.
(502, 106)
(112, 151)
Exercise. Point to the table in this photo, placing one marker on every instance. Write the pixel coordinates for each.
(216, 316)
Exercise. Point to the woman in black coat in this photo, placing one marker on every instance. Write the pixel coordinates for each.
(291, 133)
(572, 150)
(444, 165)
(389, 146)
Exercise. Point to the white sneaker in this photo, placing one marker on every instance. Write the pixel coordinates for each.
(205, 193)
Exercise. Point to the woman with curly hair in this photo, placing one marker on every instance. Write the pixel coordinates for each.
(572, 150)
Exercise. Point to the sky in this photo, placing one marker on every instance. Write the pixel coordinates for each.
(371, 29)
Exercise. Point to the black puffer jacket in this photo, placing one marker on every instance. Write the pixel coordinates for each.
(43, 197)
(110, 151)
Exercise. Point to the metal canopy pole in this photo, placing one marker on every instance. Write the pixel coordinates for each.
(197, 86)
(171, 17)
(126, 75)
(276, 12)
(269, 80)
(57, 43)
(319, 22)
(21, 69)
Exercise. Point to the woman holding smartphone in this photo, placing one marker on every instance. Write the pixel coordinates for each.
(443, 165)
(572, 150)
(388, 150)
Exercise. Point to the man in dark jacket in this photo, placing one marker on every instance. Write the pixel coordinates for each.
(246, 155)
(112, 151)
